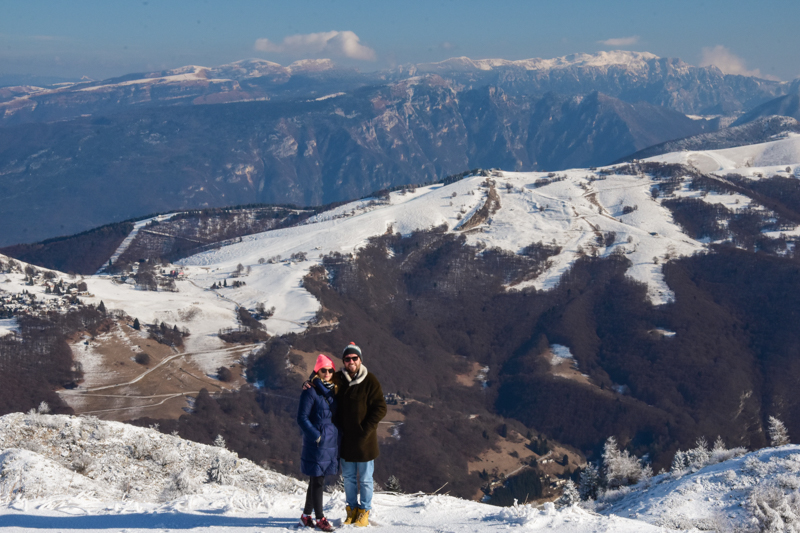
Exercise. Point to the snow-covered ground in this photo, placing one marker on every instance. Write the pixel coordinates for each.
(7, 326)
(83, 474)
(76, 474)
(765, 159)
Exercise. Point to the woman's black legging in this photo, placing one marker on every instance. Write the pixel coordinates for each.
(314, 496)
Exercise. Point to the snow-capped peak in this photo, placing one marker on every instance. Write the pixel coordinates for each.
(602, 60)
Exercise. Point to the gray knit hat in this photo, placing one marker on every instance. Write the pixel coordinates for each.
(352, 348)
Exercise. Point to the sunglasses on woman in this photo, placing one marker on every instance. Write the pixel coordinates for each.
(326, 371)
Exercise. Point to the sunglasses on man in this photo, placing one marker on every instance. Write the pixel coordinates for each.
(348, 359)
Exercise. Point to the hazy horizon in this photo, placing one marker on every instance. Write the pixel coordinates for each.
(106, 39)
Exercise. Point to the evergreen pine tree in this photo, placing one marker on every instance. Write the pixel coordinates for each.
(778, 435)
(393, 484)
(589, 482)
(570, 495)
(136, 324)
(678, 462)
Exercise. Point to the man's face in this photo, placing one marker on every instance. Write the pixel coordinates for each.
(352, 362)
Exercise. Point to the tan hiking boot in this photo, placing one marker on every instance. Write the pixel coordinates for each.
(362, 519)
(351, 515)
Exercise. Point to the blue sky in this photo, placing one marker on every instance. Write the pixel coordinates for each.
(107, 38)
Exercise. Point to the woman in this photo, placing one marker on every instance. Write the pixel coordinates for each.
(320, 456)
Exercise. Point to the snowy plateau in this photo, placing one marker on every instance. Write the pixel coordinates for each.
(79, 473)
(61, 473)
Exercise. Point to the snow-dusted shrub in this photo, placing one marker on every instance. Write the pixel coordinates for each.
(719, 453)
(778, 435)
(101, 433)
(31, 445)
(522, 514)
(33, 418)
(219, 442)
(620, 468)
(222, 469)
(610, 496)
(141, 447)
(81, 464)
(716, 523)
(788, 482)
(756, 467)
(180, 484)
(170, 458)
(774, 510)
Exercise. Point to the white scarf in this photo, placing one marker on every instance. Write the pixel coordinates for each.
(360, 375)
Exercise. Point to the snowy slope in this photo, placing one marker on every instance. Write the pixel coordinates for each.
(83, 474)
(751, 160)
(715, 497)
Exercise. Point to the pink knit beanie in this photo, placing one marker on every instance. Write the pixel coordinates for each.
(323, 361)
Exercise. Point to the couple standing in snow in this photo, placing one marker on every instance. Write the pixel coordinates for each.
(339, 414)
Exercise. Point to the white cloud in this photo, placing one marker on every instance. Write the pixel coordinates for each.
(331, 43)
(727, 62)
(621, 41)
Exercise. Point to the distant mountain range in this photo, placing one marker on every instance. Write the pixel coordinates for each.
(75, 156)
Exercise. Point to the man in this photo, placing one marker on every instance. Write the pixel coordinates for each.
(360, 407)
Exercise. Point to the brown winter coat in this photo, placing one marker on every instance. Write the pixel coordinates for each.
(360, 407)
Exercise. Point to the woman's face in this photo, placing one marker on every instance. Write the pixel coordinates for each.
(325, 374)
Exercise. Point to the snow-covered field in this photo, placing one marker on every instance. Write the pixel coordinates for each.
(82, 474)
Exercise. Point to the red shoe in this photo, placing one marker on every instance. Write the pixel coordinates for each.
(306, 520)
(324, 525)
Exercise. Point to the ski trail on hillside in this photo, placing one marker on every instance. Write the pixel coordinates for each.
(137, 227)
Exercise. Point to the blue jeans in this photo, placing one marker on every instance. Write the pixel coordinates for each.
(355, 474)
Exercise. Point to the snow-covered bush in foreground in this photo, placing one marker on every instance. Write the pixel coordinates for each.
(754, 493)
(775, 510)
(56, 454)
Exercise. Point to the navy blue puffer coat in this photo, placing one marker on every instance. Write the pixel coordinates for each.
(315, 417)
